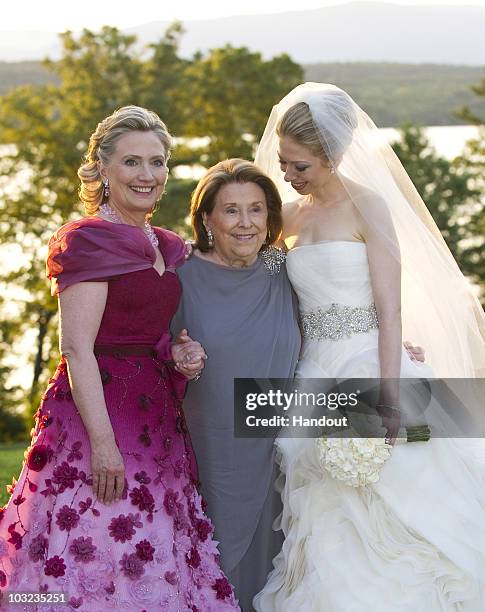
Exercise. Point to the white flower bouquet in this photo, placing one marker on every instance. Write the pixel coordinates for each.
(355, 461)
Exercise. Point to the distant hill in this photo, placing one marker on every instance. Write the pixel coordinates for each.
(363, 31)
(13, 74)
(393, 94)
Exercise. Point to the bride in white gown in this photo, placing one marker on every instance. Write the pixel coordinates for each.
(367, 264)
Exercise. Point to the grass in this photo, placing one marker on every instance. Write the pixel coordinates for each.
(11, 457)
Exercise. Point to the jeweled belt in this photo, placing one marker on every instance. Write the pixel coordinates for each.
(339, 321)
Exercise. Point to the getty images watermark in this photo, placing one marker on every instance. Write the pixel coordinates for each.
(278, 399)
(315, 407)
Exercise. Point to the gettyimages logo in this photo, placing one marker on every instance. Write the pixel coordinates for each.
(280, 399)
(354, 408)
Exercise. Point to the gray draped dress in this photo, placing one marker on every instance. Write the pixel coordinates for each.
(246, 319)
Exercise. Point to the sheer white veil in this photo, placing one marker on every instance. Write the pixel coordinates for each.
(439, 308)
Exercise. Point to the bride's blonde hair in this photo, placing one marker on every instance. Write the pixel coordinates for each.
(333, 136)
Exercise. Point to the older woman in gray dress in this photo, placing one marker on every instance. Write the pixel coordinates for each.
(237, 301)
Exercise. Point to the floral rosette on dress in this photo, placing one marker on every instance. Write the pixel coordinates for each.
(355, 461)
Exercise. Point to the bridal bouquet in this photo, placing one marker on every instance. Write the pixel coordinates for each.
(355, 461)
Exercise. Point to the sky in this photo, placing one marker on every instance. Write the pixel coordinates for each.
(59, 15)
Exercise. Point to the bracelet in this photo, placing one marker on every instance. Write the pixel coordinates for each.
(389, 407)
(385, 410)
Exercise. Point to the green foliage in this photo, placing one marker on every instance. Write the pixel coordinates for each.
(473, 161)
(175, 206)
(230, 95)
(452, 196)
(13, 427)
(216, 104)
(165, 80)
(466, 113)
(48, 125)
(12, 424)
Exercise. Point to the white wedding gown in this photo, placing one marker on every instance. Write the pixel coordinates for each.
(415, 540)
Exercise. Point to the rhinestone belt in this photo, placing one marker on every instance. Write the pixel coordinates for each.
(338, 321)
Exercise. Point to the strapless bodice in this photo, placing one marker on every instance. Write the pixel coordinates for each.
(331, 272)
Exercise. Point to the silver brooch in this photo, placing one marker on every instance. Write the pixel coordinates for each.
(272, 258)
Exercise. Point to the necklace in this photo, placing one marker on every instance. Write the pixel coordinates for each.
(148, 230)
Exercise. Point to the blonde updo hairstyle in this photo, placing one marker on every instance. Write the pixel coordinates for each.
(102, 145)
(336, 120)
(297, 124)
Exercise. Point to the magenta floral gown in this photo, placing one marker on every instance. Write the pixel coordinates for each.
(153, 550)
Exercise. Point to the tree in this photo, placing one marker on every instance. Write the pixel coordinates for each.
(47, 127)
(12, 424)
(232, 91)
(465, 113)
(473, 159)
(451, 196)
(164, 80)
(473, 162)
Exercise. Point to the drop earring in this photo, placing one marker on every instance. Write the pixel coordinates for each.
(106, 188)
(210, 237)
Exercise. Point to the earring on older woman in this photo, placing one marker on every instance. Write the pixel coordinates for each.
(106, 188)
(210, 237)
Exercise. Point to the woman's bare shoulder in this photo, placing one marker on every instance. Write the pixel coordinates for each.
(290, 208)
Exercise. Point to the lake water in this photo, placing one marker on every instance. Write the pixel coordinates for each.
(448, 140)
